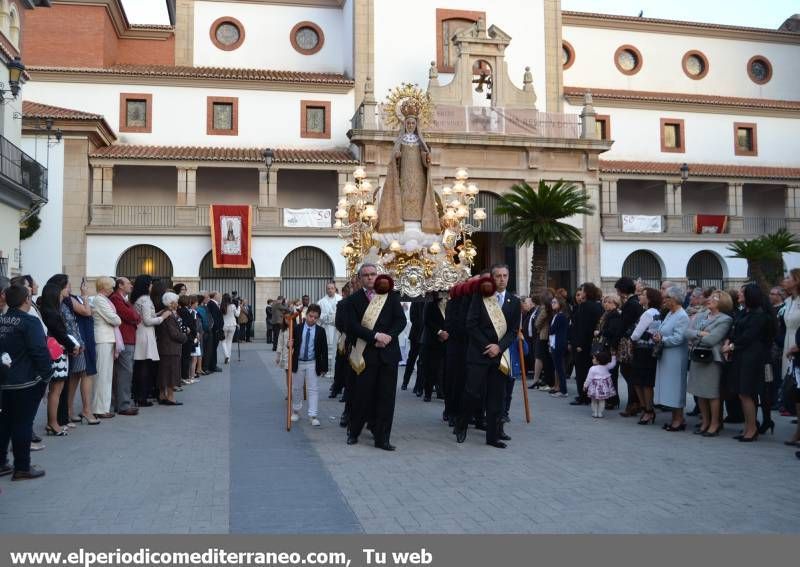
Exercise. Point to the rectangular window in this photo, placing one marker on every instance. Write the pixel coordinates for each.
(672, 135)
(745, 141)
(222, 116)
(315, 119)
(135, 112)
(603, 126)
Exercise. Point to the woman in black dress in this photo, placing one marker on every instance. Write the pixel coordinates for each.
(749, 350)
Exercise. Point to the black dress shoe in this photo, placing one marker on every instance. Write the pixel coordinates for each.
(445, 417)
(797, 454)
(426, 399)
(505, 419)
(385, 446)
(451, 422)
(498, 444)
(217, 369)
(332, 394)
(461, 434)
(404, 387)
(480, 425)
(29, 474)
(352, 439)
(344, 420)
(36, 439)
(145, 404)
(504, 437)
(576, 403)
(6, 470)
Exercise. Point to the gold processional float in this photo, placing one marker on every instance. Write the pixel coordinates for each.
(420, 238)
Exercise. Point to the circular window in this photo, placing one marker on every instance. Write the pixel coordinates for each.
(695, 65)
(759, 69)
(628, 60)
(227, 33)
(307, 38)
(567, 55)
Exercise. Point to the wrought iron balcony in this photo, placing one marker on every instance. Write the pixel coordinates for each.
(20, 172)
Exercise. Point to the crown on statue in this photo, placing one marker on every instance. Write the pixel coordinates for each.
(410, 108)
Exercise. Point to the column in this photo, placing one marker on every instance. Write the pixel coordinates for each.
(735, 208)
(185, 208)
(672, 201)
(108, 185)
(589, 270)
(343, 177)
(97, 186)
(102, 186)
(191, 187)
(793, 208)
(268, 212)
(263, 192)
(181, 199)
(608, 206)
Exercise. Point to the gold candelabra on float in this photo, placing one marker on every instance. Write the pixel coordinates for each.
(356, 215)
(459, 215)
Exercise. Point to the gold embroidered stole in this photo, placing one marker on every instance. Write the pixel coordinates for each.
(374, 309)
(341, 343)
(499, 322)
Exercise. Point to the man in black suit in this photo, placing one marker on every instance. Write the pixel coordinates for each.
(484, 356)
(456, 351)
(216, 315)
(309, 362)
(434, 338)
(375, 357)
(416, 314)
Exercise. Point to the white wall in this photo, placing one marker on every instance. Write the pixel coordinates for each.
(186, 252)
(266, 118)
(405, 46)
(674, 256)
(42, 252)
(347, 39)
(709, 137)
(662, 71)
(266, 44)
(9, 236)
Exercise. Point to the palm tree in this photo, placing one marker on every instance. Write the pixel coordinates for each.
(764, 256)
(535, 218)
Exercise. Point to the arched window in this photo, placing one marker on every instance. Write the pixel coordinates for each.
(704, 270)
(305, 271)
(4, 15)
(643, 264)
(145, 259)
(227, 280)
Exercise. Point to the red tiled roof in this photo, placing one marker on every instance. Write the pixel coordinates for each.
(193, 153)
(32, 109)
(699, 169)
(686, 98)
(222, 73)
(706, 25)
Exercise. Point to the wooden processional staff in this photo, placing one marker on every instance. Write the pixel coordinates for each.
(290, 320)
(520, 338)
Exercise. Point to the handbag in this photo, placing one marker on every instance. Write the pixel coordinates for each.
(55, 348)
(701, 354)
(625, 350)
(658, 350)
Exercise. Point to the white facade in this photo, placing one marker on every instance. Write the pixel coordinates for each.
(40, 257)
(267, 44)
(662, 71)
(266, 118)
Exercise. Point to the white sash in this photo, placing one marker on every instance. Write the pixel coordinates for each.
(374, 309)
(499, 322)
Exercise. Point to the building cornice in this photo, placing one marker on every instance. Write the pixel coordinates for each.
(204, 77)
(697, 171)
(686, 102)
(676, 27)
(69, 121)
(303, 3)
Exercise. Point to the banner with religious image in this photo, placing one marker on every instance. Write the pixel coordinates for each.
(231, 235)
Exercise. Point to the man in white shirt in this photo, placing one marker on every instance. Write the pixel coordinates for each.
(327, 320)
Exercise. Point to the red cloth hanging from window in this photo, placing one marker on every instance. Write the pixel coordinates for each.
(710, 224)
(231, 235)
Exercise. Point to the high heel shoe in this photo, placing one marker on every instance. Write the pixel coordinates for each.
(681, 427)
(647, 420)
(75, 419)
(767, 425)
(744, 439)
(56, 433)
(85, 418)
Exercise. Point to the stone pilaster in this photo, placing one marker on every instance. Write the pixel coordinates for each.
(263, 190)
(793, 209)
(184, 33)
(363, 46)
(735, 208)
(673, 206)
(590, 251)
(554, 69)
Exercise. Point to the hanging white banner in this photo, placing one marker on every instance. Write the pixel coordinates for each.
(641, 223)
(315, 218)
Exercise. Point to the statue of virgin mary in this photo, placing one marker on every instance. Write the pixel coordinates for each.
(407, 205)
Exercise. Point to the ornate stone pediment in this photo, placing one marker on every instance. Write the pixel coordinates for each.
(481, 59)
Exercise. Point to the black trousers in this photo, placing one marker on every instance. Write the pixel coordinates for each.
(583, 361)
(212, 360)
(208, 344)
(411, 361)
(454, 377)
(16, 423)
(276, 332)
(488, 379)
(340, 370)
(144, 379)
(509, 395)
(375, 391)
(269, 334)
(433, 358)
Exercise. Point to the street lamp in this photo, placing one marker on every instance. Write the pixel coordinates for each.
(684, 173)
(15, 70)
(269, 158)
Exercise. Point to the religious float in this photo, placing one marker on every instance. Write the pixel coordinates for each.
(420, 238)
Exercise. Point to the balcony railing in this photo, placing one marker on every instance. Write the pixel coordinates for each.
(21, 169)
(486, 120)
(144, 215)
(763, 225)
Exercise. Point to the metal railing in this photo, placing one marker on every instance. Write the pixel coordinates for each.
(763, 225)
(4, 267)
(486, 120)
(20, 168)
(144, 215)
(201, 215)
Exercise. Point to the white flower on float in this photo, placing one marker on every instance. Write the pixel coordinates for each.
(359, 173)
(395, 246)
(370, 212)
(461, 174)
(455, 203)
(349, 188)
(435, 248)
(480, 214)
